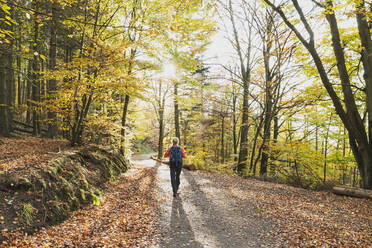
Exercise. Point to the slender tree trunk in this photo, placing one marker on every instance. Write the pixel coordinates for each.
(176, 113)
(344, 144)
(276, 129)
(4, 107)
(185, 133)
(326, 151)
(161, 132)
(235, 138)
(19, 78)
(316, 137)
(252, 166)
(267, 129)
(35, 75)
(266, 140)
(52, 84)
(223, 138)
(10, 77)
(243, 151)
(28, 92)
(161, 105)
(123, 121)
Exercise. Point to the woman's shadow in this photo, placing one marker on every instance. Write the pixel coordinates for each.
(180, 231)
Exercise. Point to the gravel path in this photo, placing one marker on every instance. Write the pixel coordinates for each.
(205, 214)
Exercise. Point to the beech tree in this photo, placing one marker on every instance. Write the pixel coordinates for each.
(360, 134)
(159, 92)
(240, 23)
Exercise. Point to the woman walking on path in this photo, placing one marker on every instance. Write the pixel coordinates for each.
(175, 154)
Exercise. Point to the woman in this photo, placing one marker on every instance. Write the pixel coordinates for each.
(175, 154)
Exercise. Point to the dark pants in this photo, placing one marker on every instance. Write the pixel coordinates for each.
(175, 172)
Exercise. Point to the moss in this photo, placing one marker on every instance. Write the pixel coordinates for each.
(28, 213)
(59, 212)
(69, 182)
(41, 181)
(74, 202)
(111, 174)
(71, 175)
(96, 199)
(67, 185)
(82, 194)
(55, 166)
(85, 183)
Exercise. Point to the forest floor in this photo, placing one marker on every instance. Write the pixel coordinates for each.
(125, 217)
(27, 153)
(212, 210)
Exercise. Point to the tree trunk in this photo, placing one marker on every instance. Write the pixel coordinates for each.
(20, 89)
(161, 133)
(245, 71)
(235, 138)
(223, 138)
(252, 166)
(276, 128)
(28, 92)
(266, 140)
(35, 75)
(4, 107)
(326, 151)
(123, 121)
(354, 192)
(161, 105)
(176, 113)
(185, 133)
(352, 118)
(267, 126)
(10, 79)
(365, 38)
(52, 84)
(243, 151)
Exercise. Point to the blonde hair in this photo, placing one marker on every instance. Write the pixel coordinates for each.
(175, 140)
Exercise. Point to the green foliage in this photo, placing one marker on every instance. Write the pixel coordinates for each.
(6, 22)
(27, 214)
(143, 147)
(96, 199)
(82, 193)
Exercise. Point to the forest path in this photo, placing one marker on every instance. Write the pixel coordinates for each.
(205, 214)
(213, 210)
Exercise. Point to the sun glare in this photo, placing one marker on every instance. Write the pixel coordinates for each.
(169, 71)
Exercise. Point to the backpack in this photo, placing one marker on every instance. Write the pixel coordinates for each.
(175, 155)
